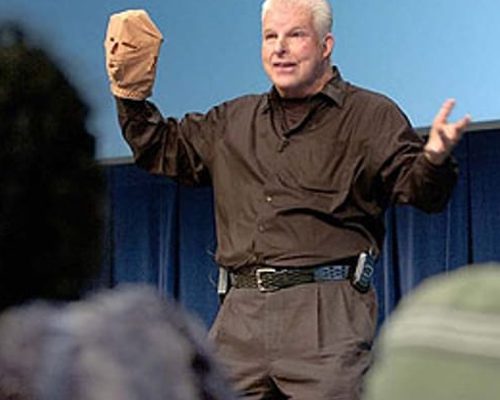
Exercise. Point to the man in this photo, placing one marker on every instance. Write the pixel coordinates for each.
(302, 176)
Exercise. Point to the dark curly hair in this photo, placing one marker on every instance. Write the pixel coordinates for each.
(51, 188)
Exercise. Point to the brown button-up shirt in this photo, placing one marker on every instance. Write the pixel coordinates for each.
(293, 194)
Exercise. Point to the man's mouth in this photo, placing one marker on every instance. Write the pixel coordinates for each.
(284, 65)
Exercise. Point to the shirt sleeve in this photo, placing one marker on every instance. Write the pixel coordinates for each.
(180, 149)
(408, 177)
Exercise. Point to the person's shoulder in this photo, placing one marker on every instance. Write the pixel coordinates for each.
(241, 109)
(244, 102)
(371, 105)
(370, 97)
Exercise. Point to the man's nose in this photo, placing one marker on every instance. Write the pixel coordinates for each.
(281, 46)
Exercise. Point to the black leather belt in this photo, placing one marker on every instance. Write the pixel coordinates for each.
(269, 279)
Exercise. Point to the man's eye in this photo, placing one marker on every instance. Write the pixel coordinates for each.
(298, 34)
(270, 36)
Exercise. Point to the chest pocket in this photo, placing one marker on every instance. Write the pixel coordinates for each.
(320, 172)
(318, 165)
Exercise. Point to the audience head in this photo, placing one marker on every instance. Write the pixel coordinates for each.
(443, 340)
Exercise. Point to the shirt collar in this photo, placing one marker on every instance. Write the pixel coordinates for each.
(334, 90)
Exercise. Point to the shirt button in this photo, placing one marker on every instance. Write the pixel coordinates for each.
(261, 228)
(269, 199)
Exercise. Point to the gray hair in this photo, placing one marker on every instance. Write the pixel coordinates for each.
(320, 9)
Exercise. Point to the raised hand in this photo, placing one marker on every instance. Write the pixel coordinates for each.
(444, 135)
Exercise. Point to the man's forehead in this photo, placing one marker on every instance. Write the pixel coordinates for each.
(287, 17)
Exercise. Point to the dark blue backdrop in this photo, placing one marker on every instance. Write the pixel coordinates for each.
(163, 233)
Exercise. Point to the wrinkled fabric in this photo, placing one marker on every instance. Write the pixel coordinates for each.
(310, 341)
(132, 48)
(122, 344)
(307, 192)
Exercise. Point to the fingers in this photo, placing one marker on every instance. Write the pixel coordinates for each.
(454, 131)
(462, 124)
(441, 119)
(445, 111)
(450, 136)
(444, 135)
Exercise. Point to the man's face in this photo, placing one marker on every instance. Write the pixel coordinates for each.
(293, 56)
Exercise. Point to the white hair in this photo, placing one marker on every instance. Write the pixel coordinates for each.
(320, 9)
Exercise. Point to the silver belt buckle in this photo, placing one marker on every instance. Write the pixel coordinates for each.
(260, 281)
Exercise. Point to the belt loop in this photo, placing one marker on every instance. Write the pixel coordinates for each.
(222, 283)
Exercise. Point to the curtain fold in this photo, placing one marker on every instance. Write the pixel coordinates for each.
(484, 172)
(141, 241)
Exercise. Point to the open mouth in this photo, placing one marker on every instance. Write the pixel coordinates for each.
(284, 66)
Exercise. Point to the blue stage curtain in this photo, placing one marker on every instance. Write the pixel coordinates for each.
(163, 234)
(141, 238)
(419, 245)
(484, 187)
(198, 272)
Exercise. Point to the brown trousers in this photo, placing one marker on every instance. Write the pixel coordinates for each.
(307, 342)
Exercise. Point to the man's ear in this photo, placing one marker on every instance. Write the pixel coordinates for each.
(328, 44)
